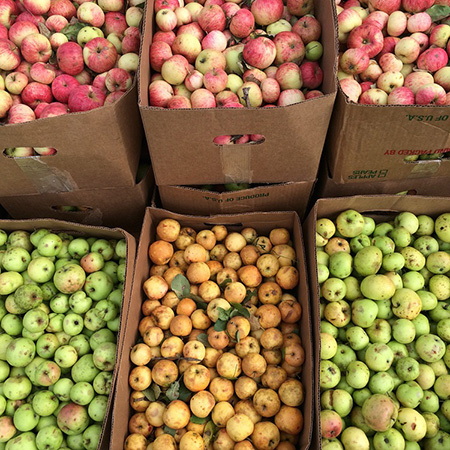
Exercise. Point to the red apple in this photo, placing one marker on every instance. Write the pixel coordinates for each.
(215, 80)
(118, 80)
(160, 92)
(115, 22)
(131, 40)
(159, 52)
(432, 59)
(242, 23)
(192, 28)
(7, 10)
(54, 109)
(28, 17)
(378, 19)
(164, 36)
(42, 73)
(35, 93)
(112, 97)
(354, 61)
(290, 97)
(70, 58)
(56, 23)
(166, 4)
(270, 89)
(166, 20)
(61, 87)
(367, 37)
(387, 6)
(211, 18)
(99, 55)
(289, 47)
(216, 40)
(91, 13)
(20, 113)
(6, 102)
(3, 32)
(267, 11)
(415, 6)
(289, 76)
(24, 67)
(36, 7)
(308, 28)
(351, 88)
(179, 102)
(193, 80)
(187, 45)
(401, 96)
(63, 8)
(36, 48)
(299, 7)
(224, 97)
(259, 52)
(431, 94)
(85, 98)
(19, 30)
(373, 97)
(312, 74)
(202, 98)
(9, 55)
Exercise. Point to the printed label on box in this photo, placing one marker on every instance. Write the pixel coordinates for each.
(364, 174)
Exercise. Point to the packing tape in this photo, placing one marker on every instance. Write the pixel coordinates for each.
(236, 163)
(47, 179)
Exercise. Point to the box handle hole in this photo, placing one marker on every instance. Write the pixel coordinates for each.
(239, 139)
(28, 152)
(71, 209)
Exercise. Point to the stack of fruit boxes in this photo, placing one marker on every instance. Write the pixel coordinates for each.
(183, 151)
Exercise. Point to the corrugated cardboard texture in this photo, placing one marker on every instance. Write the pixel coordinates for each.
(368, 143)
(94, 148)
(277, 197)
(263, 223)
(99, 232)
(181, 141)
(380, 207)
(114, 207)
(327, 187)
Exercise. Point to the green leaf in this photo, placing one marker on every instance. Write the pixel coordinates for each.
(198, 301)
(438, 12)
(203, 338)
(72, 29)
(184, 393)
(250, 293)
(198, 420)
(209, 433)
(181, 286)
(149, 394)
(170, 431)
(220, 325)
(156, 390)
(225, 283)
(174, 391)
(238, 337)
(224, 314)
(243, 311)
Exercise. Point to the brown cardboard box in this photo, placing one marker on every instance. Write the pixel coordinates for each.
(181, 141)
(381, 208)
(327, 187)
(93, 147)
(113, 207)
(273, 197)
(368, 143)
(263, 223)
(99, 232)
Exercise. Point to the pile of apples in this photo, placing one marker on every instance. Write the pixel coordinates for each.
(235, 54)
(62, 56)
(385, 332)
(60, 300)
(219, 358)
(394, 52)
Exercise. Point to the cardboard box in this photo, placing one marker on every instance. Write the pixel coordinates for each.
(380, 208)
(181, 141)
(327, 187)
(99, 232)
(113, 207)
(94, 148)
(367, 143)
(273, 197)
(263, 223)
